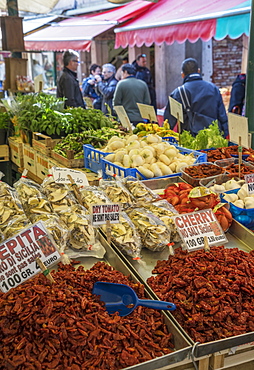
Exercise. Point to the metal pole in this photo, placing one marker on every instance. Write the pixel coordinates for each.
(249, 92)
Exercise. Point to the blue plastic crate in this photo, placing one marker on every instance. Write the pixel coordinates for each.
(93, 158)
(124, 172)
(170, 139)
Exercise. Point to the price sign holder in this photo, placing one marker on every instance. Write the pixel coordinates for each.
(176, 109)
(88, 102)
(61, 176)
(123, 117)
(249, 179)
(238, 126)
(18, 256)
(147, 112)
(101, 213)
(194, 227)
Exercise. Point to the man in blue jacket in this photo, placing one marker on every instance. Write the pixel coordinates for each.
(88, 86)
(203, 103)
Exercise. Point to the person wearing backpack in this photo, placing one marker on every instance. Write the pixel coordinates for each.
(237, 96)
(201, 100)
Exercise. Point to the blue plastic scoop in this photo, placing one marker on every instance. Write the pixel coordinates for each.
(123, 299)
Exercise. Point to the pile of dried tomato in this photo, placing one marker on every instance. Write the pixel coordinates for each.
(65, 327)
(213, 291)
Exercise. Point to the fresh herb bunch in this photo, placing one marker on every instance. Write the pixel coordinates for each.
(4, 120)
(210, 137)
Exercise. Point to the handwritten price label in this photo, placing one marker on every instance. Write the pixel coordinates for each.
(61, 176)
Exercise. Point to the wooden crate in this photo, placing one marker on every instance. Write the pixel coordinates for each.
(43, 143)
(42, 165)
(29, 155)
(54, 163)
(16, 151)
(69, 162)
(4, 153)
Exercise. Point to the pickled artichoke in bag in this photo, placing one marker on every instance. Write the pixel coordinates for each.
(81, 232)
(125, 236)
(153, 232)
(165, 212)
(139, 190)
(59, 195)
(117, 193)
(33, 200)
(92, 195)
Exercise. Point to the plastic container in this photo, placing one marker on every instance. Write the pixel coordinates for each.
(196, 181)
(124, 172)
(170, 139)
(219, 180)
(92, 158)
(242, 215)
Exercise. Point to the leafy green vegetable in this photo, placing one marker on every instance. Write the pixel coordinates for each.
(207, 138)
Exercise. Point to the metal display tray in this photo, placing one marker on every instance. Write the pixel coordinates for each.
(238, 237)
(182, 344)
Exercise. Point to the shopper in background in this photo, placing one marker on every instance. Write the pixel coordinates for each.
(68, 84)
(143, 73)
(88, 86)
(106, 85)
(237, 95)
(129, 92)
(118, 75)
(201, 100)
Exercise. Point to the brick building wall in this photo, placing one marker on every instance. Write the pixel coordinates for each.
(227, 60)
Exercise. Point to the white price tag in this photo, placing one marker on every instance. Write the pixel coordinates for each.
(238, 126)
(61, 176)
(147, 112)
(101, 213)
(193, 227)
(122, 115)
(249, 179)
(176, 109)
(18, 254)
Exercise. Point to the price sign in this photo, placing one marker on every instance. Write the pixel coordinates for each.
(176, 109)
(122, 115)
(147, 112)
(238, 126)
(193, 227)
(249, 179)
(88, 102)
(18, 254)
(103, 213)
(61, 176)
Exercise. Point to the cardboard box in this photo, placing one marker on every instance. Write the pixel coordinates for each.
(29, 155)
(4, 153)
(16, 151)
(42, 165)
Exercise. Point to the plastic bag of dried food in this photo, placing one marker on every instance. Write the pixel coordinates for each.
(153, 232)
(81, 232)
(92, 195)
(9, 198)
(139, 190)
(165, 212)
(117, 193)
(59, 195)
(15, 225)
(34, 202)
(125, 236)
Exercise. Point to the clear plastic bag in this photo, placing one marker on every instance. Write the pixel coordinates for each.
(92, 195)
(15, 225)
(153, 232)
(139, 190)
(34, 202)
(59, 195)
(165, 212)
(117, 193)
(125, 236)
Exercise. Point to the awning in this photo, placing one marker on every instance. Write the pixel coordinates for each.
(78, 32)
(169, 21)
(35, 6)
(30, 24)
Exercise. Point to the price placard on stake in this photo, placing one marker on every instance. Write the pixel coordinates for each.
(147, 112)
(122, 115)
(101, 213)
(88, 102)
(238, 126)
(193, 227)
(61, 176)
(18, 255)
(250, 182)
(176, 109)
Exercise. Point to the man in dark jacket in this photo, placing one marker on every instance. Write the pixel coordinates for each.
(107, 86)
(143, 73)
(237, 95)
(68, 84)
(205, 101)
(88, 86)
